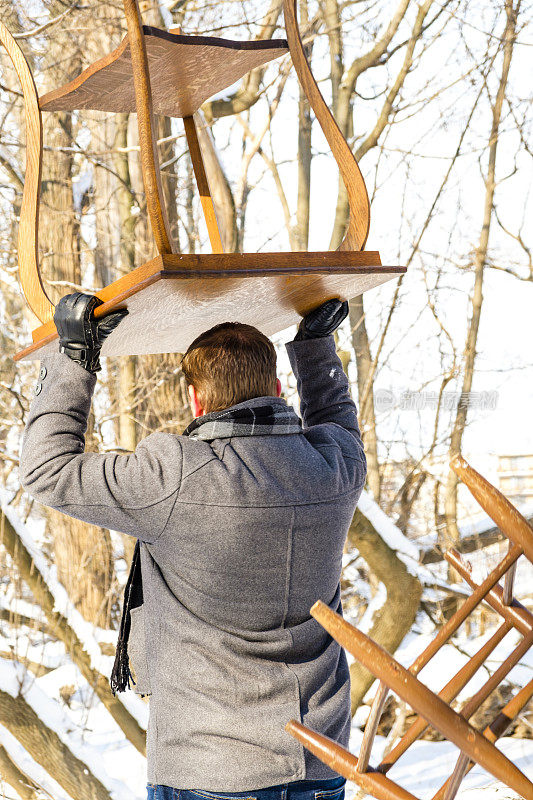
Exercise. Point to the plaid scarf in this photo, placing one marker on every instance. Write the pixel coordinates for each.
(244, 419)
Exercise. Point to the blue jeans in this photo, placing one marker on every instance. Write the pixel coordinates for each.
(332, 789)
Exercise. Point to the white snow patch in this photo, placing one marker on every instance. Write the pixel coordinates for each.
(12, 676)
(386, 528)
(80, 185)
(377, 602)
(10, 601)
(426, 765)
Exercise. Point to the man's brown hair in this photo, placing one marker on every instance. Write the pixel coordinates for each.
(229, 364)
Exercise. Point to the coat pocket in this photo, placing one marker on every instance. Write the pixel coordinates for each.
(137, 652)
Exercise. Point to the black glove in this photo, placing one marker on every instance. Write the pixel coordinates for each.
(323, 320)
(81, 336)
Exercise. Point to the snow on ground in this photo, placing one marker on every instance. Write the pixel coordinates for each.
(92, 727)
(84, 725)
(426, 765)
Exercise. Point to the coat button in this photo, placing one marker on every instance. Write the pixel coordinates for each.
(38, 388)
(42, 373)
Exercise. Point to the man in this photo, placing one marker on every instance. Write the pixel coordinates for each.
(242, 522)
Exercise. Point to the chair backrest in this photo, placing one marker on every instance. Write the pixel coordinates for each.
(434, 709)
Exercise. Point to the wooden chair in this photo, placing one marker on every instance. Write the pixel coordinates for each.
(434, 709)
(175, 296)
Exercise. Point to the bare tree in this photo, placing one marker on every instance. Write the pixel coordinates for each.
(21, 783)
(47, 749)
(479, 263)
(394, 619)
(61, 627)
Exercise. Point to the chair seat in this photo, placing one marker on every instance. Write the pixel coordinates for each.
(173, 298)
(184, 72)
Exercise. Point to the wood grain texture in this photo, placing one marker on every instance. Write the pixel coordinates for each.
(146, 123)
(184, 72)
(359, 224)
(28, 235)
(230, 264)
(206, 199)
(174, 298)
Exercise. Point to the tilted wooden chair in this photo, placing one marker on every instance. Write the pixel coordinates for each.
(175, 296)
(434, 709)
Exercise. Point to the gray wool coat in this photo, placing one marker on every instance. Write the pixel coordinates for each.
(240, 537)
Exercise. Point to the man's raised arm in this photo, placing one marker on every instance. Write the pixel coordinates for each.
(112, 490)
(323, 387)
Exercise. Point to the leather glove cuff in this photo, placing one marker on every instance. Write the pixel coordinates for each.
(86, 357)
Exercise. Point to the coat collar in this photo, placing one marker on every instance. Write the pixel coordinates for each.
(260, 416)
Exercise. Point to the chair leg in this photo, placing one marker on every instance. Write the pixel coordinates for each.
(28, 237)
(203, 184)
(146, 122)
(493, 731)
(422, 700)
(358, 226)
(505, 515)
(343, 762)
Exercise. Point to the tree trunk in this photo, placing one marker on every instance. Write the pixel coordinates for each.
(84, 561)
(46, 748)
(124, 194)
(169, 177)
(59, 224)
(343, 88)
(394, 619)
(344, 94)
(18, 780)
(124, 388)
(480, 258)
(304, 150)
(365, 391)
(65, 633)
(115, 255)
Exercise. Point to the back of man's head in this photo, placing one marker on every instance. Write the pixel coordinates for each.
(229, 364)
